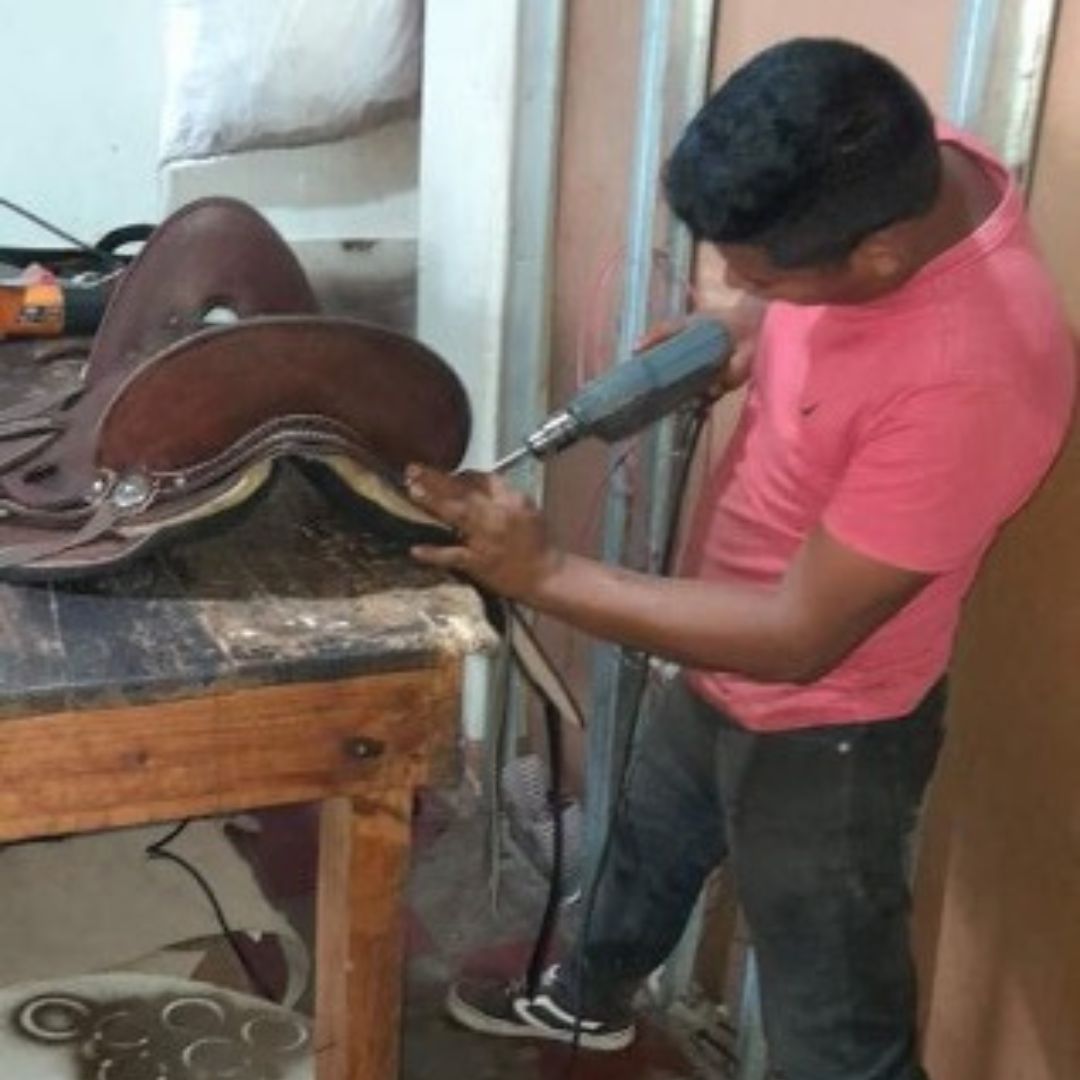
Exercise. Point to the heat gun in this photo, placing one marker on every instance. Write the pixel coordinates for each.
(635, 393)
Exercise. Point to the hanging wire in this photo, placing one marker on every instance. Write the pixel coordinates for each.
(160, 850)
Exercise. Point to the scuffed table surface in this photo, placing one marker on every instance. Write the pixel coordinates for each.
(294, 591)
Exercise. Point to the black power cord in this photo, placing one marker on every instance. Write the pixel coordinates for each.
(107, 257)
(160, 850)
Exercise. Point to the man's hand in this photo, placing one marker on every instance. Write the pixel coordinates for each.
(503, 540)
(742, 318)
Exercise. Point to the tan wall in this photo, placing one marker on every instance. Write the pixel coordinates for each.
(999, 907)
(595, 154)
(917, 35)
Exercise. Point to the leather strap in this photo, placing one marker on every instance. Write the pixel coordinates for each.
(540, 670)
(97, 525)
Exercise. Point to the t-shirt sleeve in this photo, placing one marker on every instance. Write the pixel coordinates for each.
(933, 477)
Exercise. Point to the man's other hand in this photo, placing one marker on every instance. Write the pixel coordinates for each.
(742, 319)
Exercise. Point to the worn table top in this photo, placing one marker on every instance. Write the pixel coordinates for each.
(294, 591)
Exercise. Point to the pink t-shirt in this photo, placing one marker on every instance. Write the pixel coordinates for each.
(910, 428)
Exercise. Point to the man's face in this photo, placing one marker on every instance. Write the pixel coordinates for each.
(749, 269)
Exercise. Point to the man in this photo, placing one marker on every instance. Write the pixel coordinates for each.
(911, 384)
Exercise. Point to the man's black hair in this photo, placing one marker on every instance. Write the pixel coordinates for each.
(806, 150)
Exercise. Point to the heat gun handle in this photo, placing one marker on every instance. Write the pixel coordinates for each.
(653, 383)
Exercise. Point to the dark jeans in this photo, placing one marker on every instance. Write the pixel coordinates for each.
(815, 826)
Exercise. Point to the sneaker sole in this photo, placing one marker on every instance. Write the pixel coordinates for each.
(475, 1020)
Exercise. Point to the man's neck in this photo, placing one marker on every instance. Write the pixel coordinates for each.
(967, 198)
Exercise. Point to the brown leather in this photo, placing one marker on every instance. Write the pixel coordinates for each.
(172, 421)
(216, 388)
(212, 253)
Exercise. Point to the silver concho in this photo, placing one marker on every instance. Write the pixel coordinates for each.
(131, 492)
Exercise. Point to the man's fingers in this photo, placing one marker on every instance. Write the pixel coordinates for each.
(450, 511)
(443, 495)
(449, 558)
(432, 485)
(659, 332)
(462, 500)
(424, 483)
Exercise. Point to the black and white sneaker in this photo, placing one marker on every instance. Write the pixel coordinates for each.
(496, 1007)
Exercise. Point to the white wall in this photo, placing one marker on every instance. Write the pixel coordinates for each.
(363, 188)
(492, 86)
(466, 178)
(83, 83)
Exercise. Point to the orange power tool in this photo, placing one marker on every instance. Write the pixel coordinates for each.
(39, 305)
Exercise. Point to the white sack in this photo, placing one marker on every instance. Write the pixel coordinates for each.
(250, 74)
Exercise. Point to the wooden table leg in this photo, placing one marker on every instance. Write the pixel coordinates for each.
(363, 865)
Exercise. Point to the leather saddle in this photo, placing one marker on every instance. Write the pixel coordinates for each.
(211, 365)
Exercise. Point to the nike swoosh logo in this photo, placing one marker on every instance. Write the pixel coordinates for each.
(806, 410)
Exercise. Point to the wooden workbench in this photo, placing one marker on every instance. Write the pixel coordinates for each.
(288, 659)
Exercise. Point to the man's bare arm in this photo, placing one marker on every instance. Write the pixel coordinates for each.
(832, 598)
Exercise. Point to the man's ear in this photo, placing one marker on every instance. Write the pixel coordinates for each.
(878, 257)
